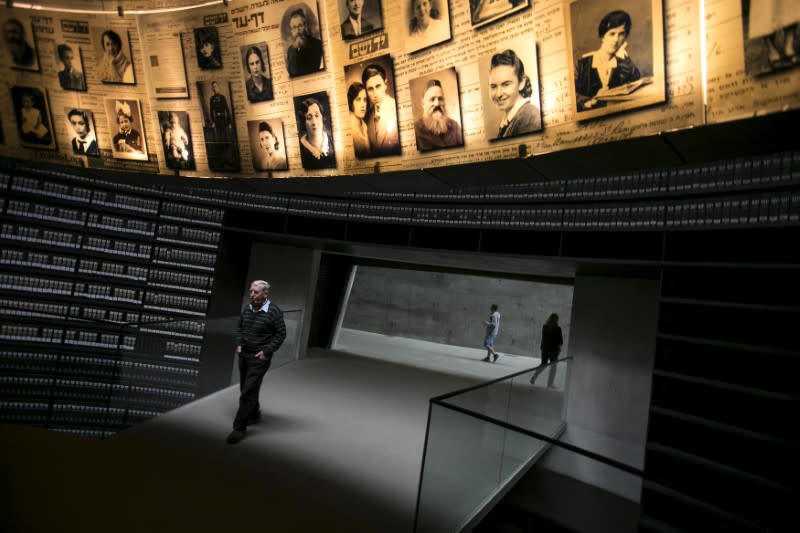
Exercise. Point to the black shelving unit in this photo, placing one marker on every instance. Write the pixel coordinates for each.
(104, 295)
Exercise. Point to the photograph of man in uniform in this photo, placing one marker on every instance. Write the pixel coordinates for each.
(81, 123)
(22, 52)
(623, 68)
(300, 31)
(434, 106)
(209, 56)
(70, 77)
(360, 17)
(219, 131)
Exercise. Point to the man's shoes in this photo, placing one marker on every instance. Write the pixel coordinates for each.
(255, 419)
(485, 359)
(235, 437)
(496, 355)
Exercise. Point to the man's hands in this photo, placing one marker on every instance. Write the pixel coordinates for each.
(259, 355)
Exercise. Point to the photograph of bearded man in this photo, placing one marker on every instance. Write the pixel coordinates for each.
(436, 110)
(300, 30)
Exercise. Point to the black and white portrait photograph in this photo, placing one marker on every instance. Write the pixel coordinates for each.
(126, 127)
(436, 110)
(300, 30)
(360, 17)
(373, 115)
(114, 63)
(267, 144)
(314, 127)
(35, 126)
(82, 131)
(20, 44)
(617, 48)
(483, 12)
(258, 77)
(70, 67)
(428, 23)
(177, 139)
(510, 90)
(219, 131)
(206, 42)
(771, 35)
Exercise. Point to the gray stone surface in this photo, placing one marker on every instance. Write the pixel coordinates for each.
(450, 308)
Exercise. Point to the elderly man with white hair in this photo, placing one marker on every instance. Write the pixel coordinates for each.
(260, 333)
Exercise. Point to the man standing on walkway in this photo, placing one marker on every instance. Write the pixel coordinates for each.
(492, 328)
(260, 333)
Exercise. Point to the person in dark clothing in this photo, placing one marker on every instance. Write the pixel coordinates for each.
(260, 333)
(552, 339)
(220, 114)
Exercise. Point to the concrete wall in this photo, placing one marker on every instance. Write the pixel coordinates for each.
(450, 308)
(612, 341)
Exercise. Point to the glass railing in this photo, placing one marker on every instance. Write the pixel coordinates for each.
(483, 439)
(96, 377)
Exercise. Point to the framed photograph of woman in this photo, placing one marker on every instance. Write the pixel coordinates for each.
(617, 48)
(510, 90)
(20, 44)
(267, 144)
(177, 139)
(428, 23)
(126, 127)
(771, 35)
(258, 77)
(34, 122)
(483, 12)
(80, 125)
(206, 42)
(314, 127)
(70, 65)
(114, 63)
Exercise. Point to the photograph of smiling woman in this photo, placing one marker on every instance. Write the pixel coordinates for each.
(510, 91)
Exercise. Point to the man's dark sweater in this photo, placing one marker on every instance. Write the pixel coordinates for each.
(260, 331)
